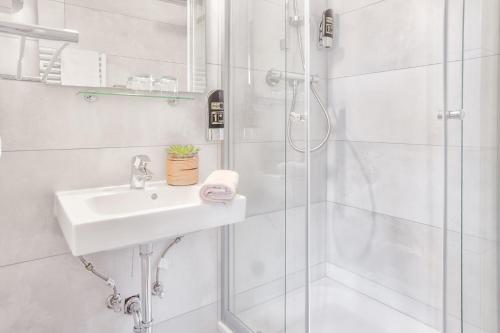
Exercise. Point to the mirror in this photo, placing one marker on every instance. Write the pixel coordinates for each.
(146, 45)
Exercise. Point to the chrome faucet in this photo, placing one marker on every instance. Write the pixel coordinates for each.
(139, 173)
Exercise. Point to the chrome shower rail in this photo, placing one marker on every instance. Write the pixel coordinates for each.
(37, 32)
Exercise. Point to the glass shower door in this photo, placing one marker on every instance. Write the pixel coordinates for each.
(265, 255)
(393, 199)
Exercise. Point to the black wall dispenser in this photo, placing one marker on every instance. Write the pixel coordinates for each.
(215, 119)
(326, 30)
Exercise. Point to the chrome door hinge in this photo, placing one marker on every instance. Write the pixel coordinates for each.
(455, 114)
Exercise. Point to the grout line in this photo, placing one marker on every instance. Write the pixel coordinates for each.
(171, 62)
(274, 298)
(315, 204)
(285, 276)
(34, 259)
(483, 148)
(409, 67)
(360, 8)
(116, 13)
(350, 271)
(95, 148)
(384, 304)
(395, 69)
(402, 219)
(186, 313)
(243, 143)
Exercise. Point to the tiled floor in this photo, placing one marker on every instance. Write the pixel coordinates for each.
(334, 308)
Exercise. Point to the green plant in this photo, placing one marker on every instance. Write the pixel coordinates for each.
(183, 150)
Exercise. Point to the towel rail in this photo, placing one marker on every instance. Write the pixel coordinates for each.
(38, 32)
(25, 31)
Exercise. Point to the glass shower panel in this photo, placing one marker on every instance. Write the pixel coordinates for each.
(386, 182)
(258, 270)
(480, 167)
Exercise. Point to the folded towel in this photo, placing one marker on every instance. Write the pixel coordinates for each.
(83, 68)
(220, 186)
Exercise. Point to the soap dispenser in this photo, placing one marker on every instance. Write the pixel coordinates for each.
(215, 116)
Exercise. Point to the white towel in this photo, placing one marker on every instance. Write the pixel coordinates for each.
(220, 186)
(83, 68)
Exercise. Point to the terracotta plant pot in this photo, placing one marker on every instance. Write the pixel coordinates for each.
(182, 171)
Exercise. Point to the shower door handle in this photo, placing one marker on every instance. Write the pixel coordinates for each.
(455, 114)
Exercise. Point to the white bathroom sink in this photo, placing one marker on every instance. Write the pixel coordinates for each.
(107, 218)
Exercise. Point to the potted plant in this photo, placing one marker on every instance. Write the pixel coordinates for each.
(182, 165)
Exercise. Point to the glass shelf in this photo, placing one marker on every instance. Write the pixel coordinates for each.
(90, 95)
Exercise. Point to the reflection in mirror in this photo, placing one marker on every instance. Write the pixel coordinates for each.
(150, 45)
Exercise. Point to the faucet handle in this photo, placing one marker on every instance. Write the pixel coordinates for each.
(140, 161)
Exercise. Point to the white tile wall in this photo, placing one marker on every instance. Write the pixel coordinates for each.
(152, 10)
(391, 34)
(111, 33)
(54, 140)
(398, 180)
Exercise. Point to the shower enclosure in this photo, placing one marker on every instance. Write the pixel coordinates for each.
(369, 161)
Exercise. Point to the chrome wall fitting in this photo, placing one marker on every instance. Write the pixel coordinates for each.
(158, 289)
(145, 252)
(89, 98)
(133, 308)
(114, 302)
(140, 307)
(455, 114)
(296, 20)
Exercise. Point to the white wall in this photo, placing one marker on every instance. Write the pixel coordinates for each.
(54, 140)
(385, 164)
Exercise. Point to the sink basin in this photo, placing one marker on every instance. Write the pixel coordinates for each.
(107, 218)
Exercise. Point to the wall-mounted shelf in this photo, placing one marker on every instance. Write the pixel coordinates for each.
(91, 94)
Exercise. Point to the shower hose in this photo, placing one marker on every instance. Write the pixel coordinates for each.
(315, 94)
